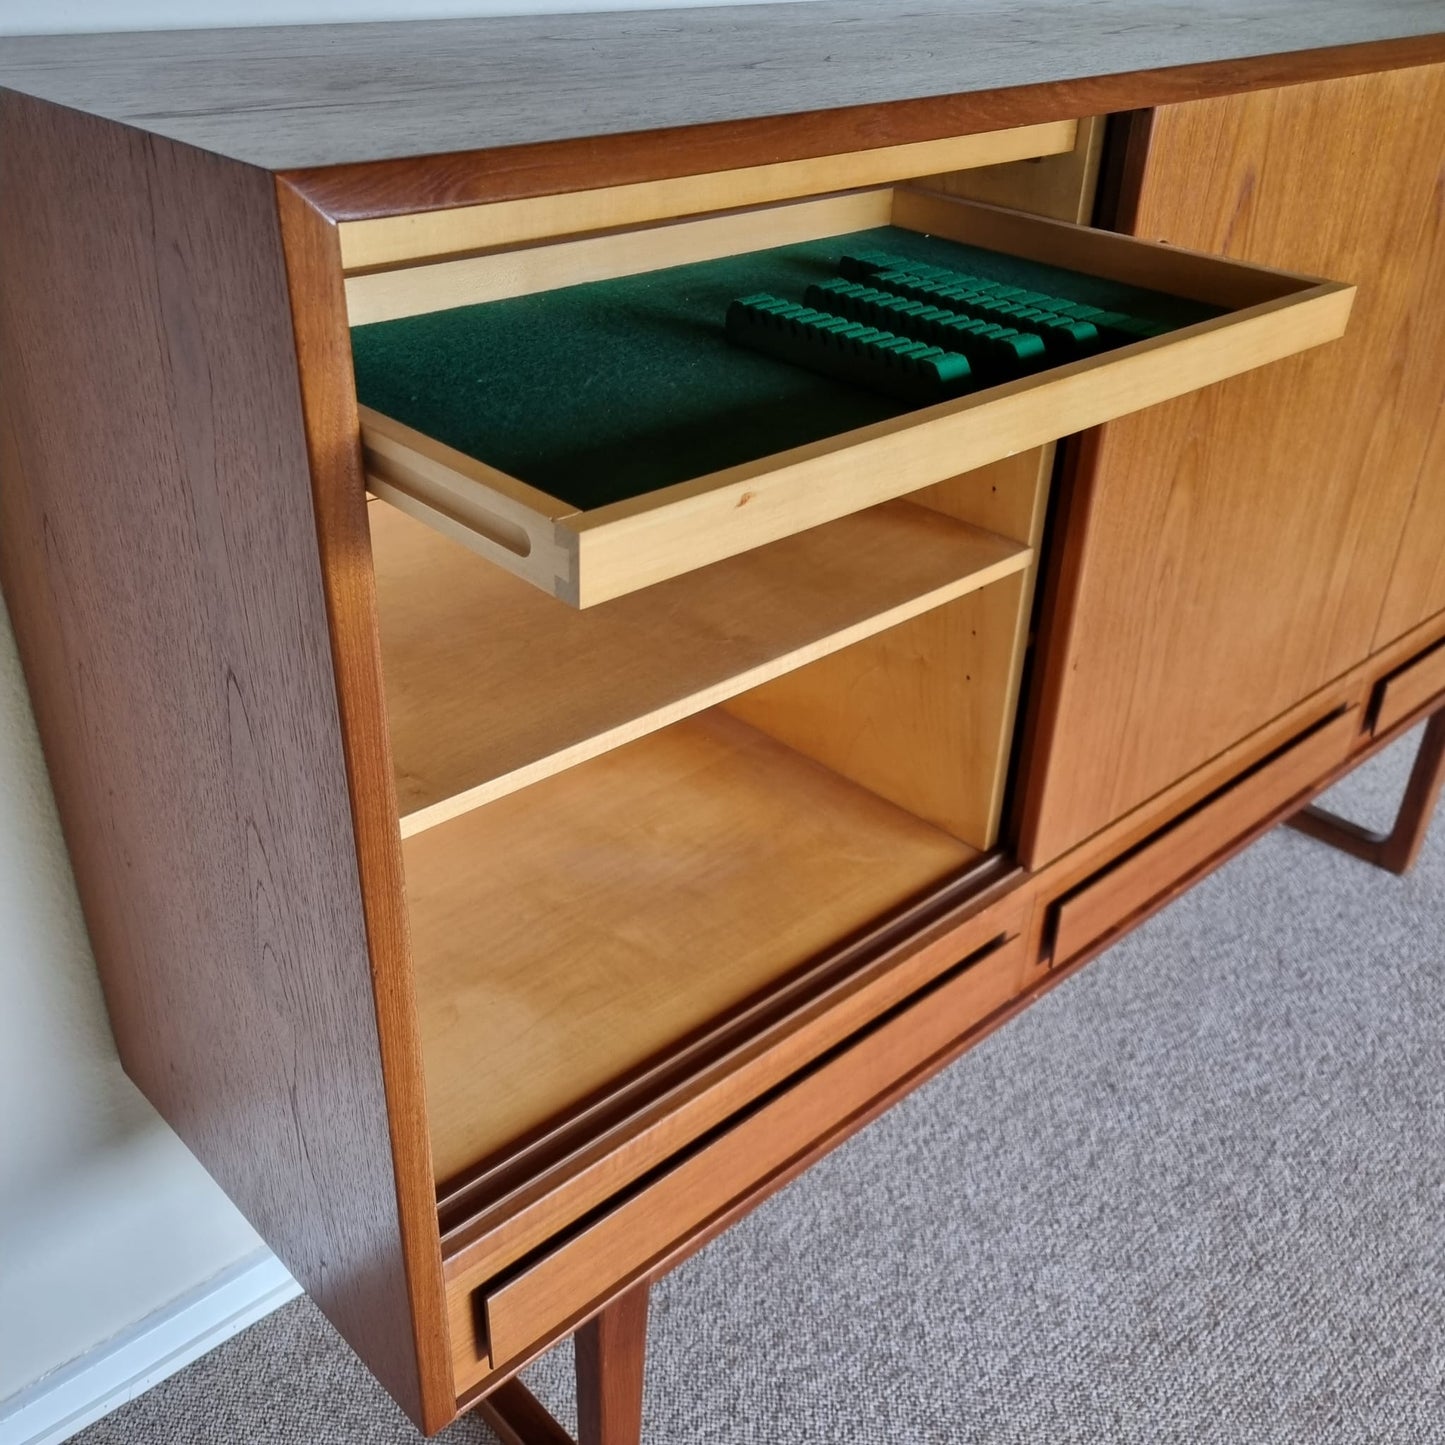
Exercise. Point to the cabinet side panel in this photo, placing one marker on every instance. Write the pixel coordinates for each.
(1240, 541)
(338, 484)
(159, 555)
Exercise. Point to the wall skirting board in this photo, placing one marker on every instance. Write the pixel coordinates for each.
(56, 1407)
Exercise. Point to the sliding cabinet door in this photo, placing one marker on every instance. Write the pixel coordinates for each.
(1225, 555)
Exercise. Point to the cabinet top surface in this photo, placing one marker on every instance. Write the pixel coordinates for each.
(323, 95)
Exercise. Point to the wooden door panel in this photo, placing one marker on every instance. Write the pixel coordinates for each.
(1417, 587)
(1231, 552)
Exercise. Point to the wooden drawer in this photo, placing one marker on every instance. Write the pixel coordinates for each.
(502, 1321)
(1157, 868)
(1409, 688)
(585, 553)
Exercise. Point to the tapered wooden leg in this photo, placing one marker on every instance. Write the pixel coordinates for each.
(1398, 849)
(611, 1353)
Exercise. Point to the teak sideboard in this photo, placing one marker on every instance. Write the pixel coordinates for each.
(505, 872)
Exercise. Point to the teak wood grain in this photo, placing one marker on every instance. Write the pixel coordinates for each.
(707, 88)
(760, 1190)
(187, 561)
(1410, 688)
(1229, 553)
(161, 568)
(492, 685)
(1417, 584)
(565, 935)
(1356, 691)
(386, 188)
(1245, 833)
(611, 1355)
(1034, 983)
(1352, 690)
(338, 490)
(1187, 846)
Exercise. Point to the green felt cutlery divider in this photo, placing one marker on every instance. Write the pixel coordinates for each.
(881, 360)
(944, 285)
(998, 351)
(1064, 337)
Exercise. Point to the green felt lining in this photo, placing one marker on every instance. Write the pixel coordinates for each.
(615, 388)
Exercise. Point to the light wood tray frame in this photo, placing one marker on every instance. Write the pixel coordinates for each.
(586, 557)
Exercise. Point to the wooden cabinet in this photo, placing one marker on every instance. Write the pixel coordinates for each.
(1230, 553)
(500, 893)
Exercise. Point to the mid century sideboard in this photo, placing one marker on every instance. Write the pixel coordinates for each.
(539, 776)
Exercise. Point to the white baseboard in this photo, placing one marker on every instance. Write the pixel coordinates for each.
(72, 1397)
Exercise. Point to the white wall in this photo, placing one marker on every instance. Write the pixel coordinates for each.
(104, 1215)
(105, 1218)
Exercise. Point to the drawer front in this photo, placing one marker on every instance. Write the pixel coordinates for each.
(548, 1295)
(588, 555)
(1409, 688)
(1183, 851)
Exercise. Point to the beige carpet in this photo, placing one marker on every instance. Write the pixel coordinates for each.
(1197, 1194)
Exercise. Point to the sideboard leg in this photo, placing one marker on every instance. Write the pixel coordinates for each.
(611, 1352)
(518, 1417)
(1398, 849)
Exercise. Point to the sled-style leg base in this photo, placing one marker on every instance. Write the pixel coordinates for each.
(1398, 849)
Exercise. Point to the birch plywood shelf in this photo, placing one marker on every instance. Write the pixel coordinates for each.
(473, 722)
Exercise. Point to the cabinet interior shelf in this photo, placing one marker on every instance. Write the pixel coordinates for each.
(492, 685)
(568, 936)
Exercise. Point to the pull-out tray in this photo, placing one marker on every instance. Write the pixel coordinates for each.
(588, 516)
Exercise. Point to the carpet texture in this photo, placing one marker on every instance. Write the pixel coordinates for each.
(1196, 1194)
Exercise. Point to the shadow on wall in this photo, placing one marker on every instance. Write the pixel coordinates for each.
(99, 1201)
(61, 1089)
